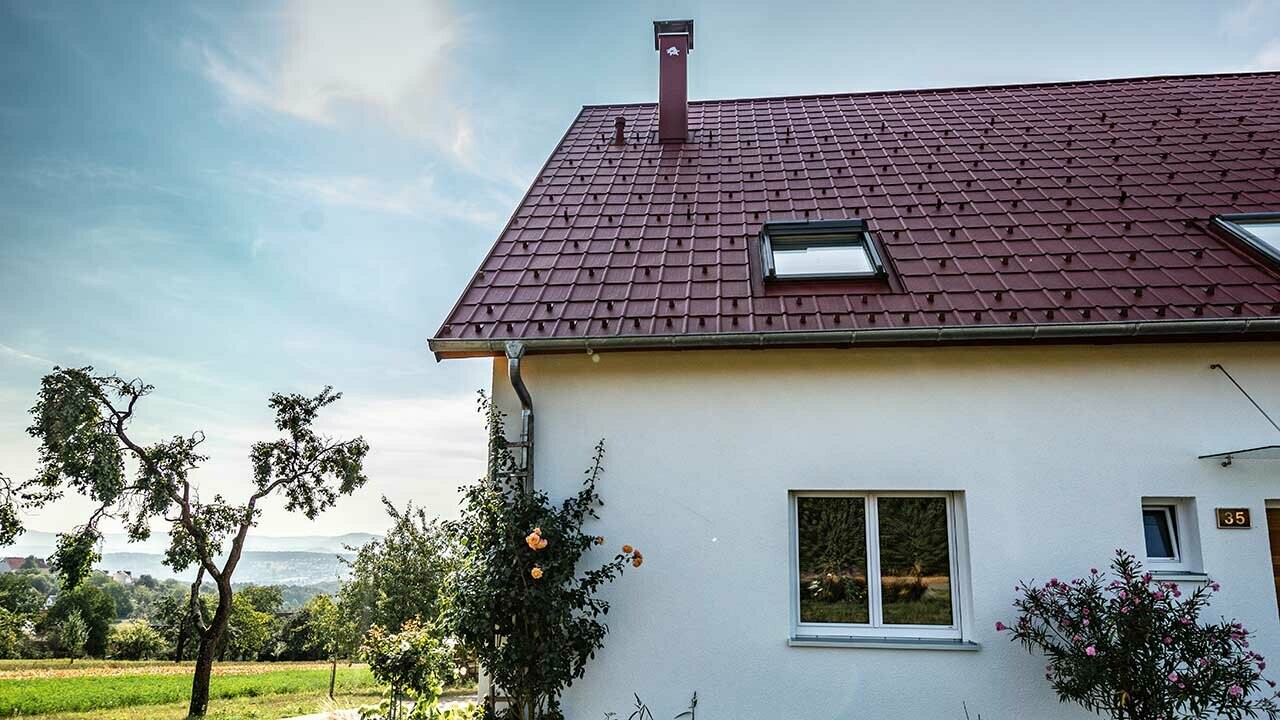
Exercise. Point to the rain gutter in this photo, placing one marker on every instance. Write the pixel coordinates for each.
(1137, 331)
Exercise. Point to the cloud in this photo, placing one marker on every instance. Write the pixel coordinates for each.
(418, 197)
(421, 447)
(25, 356)
(389, 58)
(1268, 58)
(1248, 16)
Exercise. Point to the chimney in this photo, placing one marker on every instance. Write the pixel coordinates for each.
(673, 39)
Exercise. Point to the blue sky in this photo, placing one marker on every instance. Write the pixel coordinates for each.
(228, 199)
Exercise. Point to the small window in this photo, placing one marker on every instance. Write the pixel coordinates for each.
(819, 249)
(1170, 536)
(1160, 528)
(876, 565)
(1260, 231)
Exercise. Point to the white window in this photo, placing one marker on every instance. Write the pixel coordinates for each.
(1261, 231)
(1170, 535)
(819, 249)
(877, 565)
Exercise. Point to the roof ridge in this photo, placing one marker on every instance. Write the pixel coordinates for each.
(954, 88)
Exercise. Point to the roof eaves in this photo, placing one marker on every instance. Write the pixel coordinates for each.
(1139, 331)
(514, 212)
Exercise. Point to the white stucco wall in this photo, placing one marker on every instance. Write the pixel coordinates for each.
(1052, 447)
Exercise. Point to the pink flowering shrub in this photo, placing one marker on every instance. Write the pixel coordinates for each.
(1134, 648)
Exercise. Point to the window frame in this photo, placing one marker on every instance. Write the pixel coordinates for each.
(876, 629)
(819, 233)
(1170, 513)
(1186, 536)
(1235, 226)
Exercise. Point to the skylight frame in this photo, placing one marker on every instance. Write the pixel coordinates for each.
(1235, 226)
(819, 233)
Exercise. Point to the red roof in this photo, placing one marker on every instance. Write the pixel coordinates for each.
(1024, 212)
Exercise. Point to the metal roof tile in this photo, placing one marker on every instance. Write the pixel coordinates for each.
(1061, 203)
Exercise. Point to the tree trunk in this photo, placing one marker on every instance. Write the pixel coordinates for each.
(208, 650)
(200, 681)
(333, 675)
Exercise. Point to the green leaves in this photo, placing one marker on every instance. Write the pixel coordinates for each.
(312, 469)
(517, 596)
(76, 553)
(1135, 648)
(82, 422)
(77, 442)
(400, 576)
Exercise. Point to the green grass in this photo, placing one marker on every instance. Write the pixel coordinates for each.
(81, 693)
(934, 608)
(265, 707)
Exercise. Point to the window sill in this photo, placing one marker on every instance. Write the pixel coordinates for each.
(1179, 576)
(882, 643)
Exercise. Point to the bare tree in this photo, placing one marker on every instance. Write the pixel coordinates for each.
(82, 422)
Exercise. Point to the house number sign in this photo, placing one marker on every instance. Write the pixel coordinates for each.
(1233, 518)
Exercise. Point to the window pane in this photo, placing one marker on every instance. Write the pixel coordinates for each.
(1159, 535)
(833, 559)
(915, 561)
(1267, 232)
(822, 260)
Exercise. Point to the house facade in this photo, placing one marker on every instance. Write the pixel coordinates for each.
(864, 362)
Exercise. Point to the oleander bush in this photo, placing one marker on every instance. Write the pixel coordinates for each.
(1131, 647)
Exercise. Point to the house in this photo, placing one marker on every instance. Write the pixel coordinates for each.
(865, 361)
(14, 564)
(124, 577)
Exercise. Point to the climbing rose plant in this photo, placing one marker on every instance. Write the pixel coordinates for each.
(1134, 648)
(518, 596)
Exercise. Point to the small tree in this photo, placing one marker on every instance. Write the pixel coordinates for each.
(135, 640)
(248, 630)
(516, 597)
(330, 630)
(399, 576)
(12, 634)
(96, 611)
(83, 424)
(1133, 648)
(411, 662)
(73, 633)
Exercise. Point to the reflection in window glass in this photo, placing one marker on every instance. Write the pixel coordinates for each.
(832, 533)
(824, 259)
(1159, 531)
(915, 561)
(1268, 232)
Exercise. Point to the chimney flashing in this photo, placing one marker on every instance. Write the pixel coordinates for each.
(671, 27)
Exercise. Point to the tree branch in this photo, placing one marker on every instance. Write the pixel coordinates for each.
(187, 520)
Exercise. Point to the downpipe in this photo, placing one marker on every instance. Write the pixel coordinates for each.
(515, 351)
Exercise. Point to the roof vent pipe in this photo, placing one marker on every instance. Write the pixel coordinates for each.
(673, 39)
(619, 131)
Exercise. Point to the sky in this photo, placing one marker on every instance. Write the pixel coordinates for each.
(233, 199)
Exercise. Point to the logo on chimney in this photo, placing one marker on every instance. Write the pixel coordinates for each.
(673, 51)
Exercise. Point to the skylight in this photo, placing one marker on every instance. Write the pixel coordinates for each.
(1261, 231)
(819, 249)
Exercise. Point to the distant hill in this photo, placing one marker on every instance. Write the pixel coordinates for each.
(41, 544)
(258, 568)
(295, 560)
